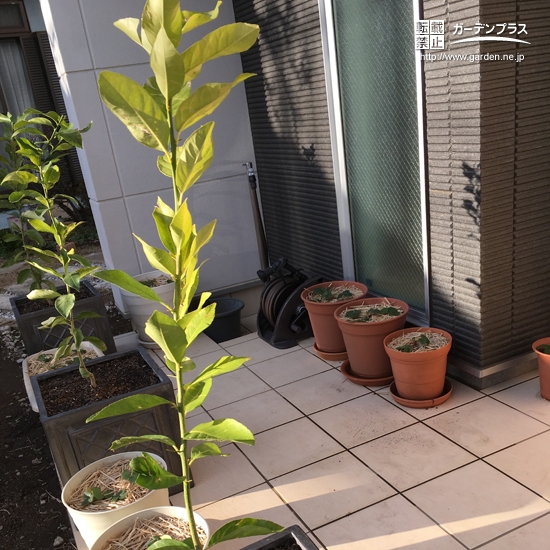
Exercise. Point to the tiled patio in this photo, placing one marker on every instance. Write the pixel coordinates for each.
(359, 472)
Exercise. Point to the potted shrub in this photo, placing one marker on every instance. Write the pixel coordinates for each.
(364, 325)
(34, 166)
(542, 349)
(45, 361)
(418, 358)
(104, 492)
(156, 114)
(321, 302)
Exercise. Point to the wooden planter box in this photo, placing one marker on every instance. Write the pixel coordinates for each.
(75, 444)
(290, 534)
(36, 339)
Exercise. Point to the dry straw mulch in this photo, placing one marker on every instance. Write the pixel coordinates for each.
(337, 293)
(40, 364)
(367, 313)
(108, 478)
(417, 341)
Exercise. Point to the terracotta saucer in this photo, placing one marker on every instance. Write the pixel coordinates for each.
(361, 380)
(423, 403)
(331, 356)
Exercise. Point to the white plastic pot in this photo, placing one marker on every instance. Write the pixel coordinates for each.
(121, 526)
(93, 523)
(141, 309)
(27, 379)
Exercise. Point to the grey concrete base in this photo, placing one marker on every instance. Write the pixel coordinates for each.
(490, 376)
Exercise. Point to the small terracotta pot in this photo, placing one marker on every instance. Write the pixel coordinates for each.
(544, 368)
(325, 328)
(365, 341)
(419, 375)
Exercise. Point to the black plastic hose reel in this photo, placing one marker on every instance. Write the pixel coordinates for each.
(283, 319)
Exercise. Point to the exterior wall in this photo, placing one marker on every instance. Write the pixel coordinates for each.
(121, 176)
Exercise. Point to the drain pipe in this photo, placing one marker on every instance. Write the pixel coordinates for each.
(258, 223)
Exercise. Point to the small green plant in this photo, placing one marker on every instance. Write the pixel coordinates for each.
(415, 344)
(544, 348)
(93, 494)
(33, 182)
(157, 114)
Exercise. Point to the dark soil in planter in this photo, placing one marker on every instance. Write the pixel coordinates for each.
(32, 516)
(119, 325)
(288, 545)
(30, 306)
(70, 391)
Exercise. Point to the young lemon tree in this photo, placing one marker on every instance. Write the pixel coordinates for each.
(157, 114)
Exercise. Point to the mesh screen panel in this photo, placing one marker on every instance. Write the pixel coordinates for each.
(375, 48)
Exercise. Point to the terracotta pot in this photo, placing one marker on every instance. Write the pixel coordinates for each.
(544, 368)
(419, 376)
(328, 336)
(365, 341)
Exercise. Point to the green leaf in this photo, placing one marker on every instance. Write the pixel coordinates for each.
(163, 14)
(205, 449)
(181, 225)
(195, 394)
(226, 40)
(40, 225)
(133, 105)
(97, 342)
(35, 236)
(128, 283)
(129, 26)
(64, 304)
(52, 322)
(195, 156)
(168, 335)
(131, 440)
(204, 235)
(167, 66)
(51, 174)
(222, 429)
(80, 259)
(23, 275)
(78, 337)
(197, 321)
(43, 294)
(203, 101)
(20, 176)
(246, 527)
(158, 258)
(223, 365)
(171, 544)
(162, 221)
(194, 19)
(134, 403)
(151, 475)
(87, 315)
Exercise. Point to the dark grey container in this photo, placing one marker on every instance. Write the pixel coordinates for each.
(227, 321)
(75, 444)
(290, 534)
(36, 339)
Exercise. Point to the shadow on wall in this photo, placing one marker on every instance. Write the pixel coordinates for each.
(473, 206)
(291, 137)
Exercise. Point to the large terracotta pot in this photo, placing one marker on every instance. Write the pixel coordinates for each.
(365, 341)
(544, 367)
(328, 337)
(419, 376)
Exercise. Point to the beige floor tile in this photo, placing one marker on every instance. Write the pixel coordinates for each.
(249, 322)
(527, 462)
(412, 455)
(534, 536)
(512, 382)
(289, 368)
(485, 426)
(291, 446)
(203, 361)
(362, 419)
(526, 398)
(260, 412)
(477, 503)
(220, 477)
(321, 391)
(393, 524)
(232, 387)
(307, 342)
(202, 345)
(331, 489)
(257, 350)
(239, 340)
(310, 349)
(461, 395)
(261, 503)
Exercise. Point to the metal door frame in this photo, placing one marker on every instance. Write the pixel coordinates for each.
(328, 37)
